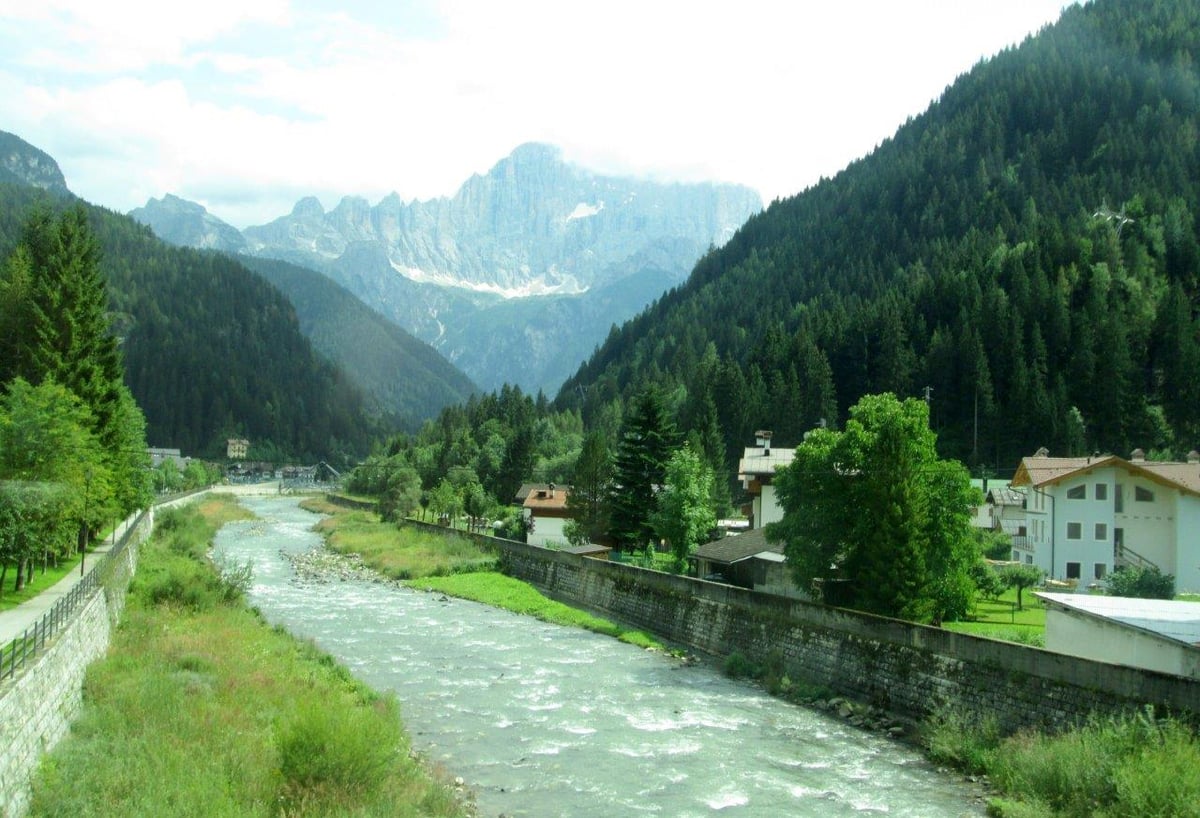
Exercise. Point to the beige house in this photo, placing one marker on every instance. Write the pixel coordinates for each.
(747, 560)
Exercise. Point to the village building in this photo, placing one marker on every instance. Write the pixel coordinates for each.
(1088, 516)
(546, 514)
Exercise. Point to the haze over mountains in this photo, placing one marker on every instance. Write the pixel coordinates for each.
(516, 278)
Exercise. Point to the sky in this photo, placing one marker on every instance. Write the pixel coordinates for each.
(245, 106)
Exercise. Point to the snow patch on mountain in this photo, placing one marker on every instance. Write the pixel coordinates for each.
(584, 210)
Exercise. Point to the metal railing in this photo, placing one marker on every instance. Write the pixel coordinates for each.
(16, 653)
(1124, 556)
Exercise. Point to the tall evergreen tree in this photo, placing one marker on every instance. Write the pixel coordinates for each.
(639, 468)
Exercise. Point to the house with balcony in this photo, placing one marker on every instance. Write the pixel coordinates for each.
(1087, 516)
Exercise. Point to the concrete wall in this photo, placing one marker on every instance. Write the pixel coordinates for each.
(39, 704)
(910, 670)
(1069, 631)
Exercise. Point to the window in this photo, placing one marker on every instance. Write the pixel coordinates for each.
(1029, 559)
(1077, 493)
(1074, 531)
(1072, 570)
(1101, 492)
(1119, 500)
(1016, 556)
(1100, 570)
(1101, 531)
(1142, 495)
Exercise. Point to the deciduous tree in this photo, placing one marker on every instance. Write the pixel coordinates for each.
(874, 505)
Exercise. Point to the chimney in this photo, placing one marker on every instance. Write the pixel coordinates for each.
(1138, 456)
(1193, 456)
(763, 439)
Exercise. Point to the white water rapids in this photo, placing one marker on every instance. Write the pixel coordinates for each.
(542, 720)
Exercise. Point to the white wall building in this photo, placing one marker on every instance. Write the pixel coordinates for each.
(1087, 516)
(756, 470)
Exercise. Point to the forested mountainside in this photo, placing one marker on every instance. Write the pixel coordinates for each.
(211, 350)
(1026, 248)
(402, 376)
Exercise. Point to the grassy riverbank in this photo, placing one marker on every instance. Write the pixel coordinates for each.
(501, 591)
(397, 553)
(1130, 767)
(451, 565)
(200, 708)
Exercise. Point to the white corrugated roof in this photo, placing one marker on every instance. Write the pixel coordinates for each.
(1170, 618)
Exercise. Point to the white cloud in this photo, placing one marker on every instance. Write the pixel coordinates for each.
(243, 106)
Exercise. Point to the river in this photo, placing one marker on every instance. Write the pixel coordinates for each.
(542, 720)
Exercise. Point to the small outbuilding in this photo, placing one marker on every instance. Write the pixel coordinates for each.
(1155, 634)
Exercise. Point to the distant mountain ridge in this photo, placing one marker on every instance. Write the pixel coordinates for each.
(188, 224)
(533, 227)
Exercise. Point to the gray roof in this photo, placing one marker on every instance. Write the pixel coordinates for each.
(1172, 619)
(738, 547)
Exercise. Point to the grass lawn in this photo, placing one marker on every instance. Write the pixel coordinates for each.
(1000, 619)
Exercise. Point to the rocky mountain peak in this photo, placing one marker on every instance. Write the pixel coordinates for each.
(24, 164)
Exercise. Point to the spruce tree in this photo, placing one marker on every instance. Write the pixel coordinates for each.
(639, 468)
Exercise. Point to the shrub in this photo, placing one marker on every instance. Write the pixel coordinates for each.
(737, 666)
(960, 740)
(336, 754)
(1142, 583)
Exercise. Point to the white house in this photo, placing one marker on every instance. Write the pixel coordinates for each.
(757, 470)
(1086, 516)
(546, 515)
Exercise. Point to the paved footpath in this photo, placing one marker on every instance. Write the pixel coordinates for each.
(15, 621)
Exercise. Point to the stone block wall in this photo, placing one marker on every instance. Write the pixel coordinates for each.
(38, 705)
(910, 670)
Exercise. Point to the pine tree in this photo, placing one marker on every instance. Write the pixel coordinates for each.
(647, 439)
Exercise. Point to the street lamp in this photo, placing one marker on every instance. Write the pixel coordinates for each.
(87, 485)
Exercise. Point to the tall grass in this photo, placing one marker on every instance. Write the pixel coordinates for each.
(1131, 765)
(202, 709)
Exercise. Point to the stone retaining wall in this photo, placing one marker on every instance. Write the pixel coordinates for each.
(39, 704)
(909, 670)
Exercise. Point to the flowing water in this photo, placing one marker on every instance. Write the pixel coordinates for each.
(542, 720)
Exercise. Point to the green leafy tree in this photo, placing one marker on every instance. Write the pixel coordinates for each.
(647, 439)
(401, 494)
(1147, 582)
(1020, 577)
(445, 500)
(874, 505)
(683, 514)
(35, 522)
